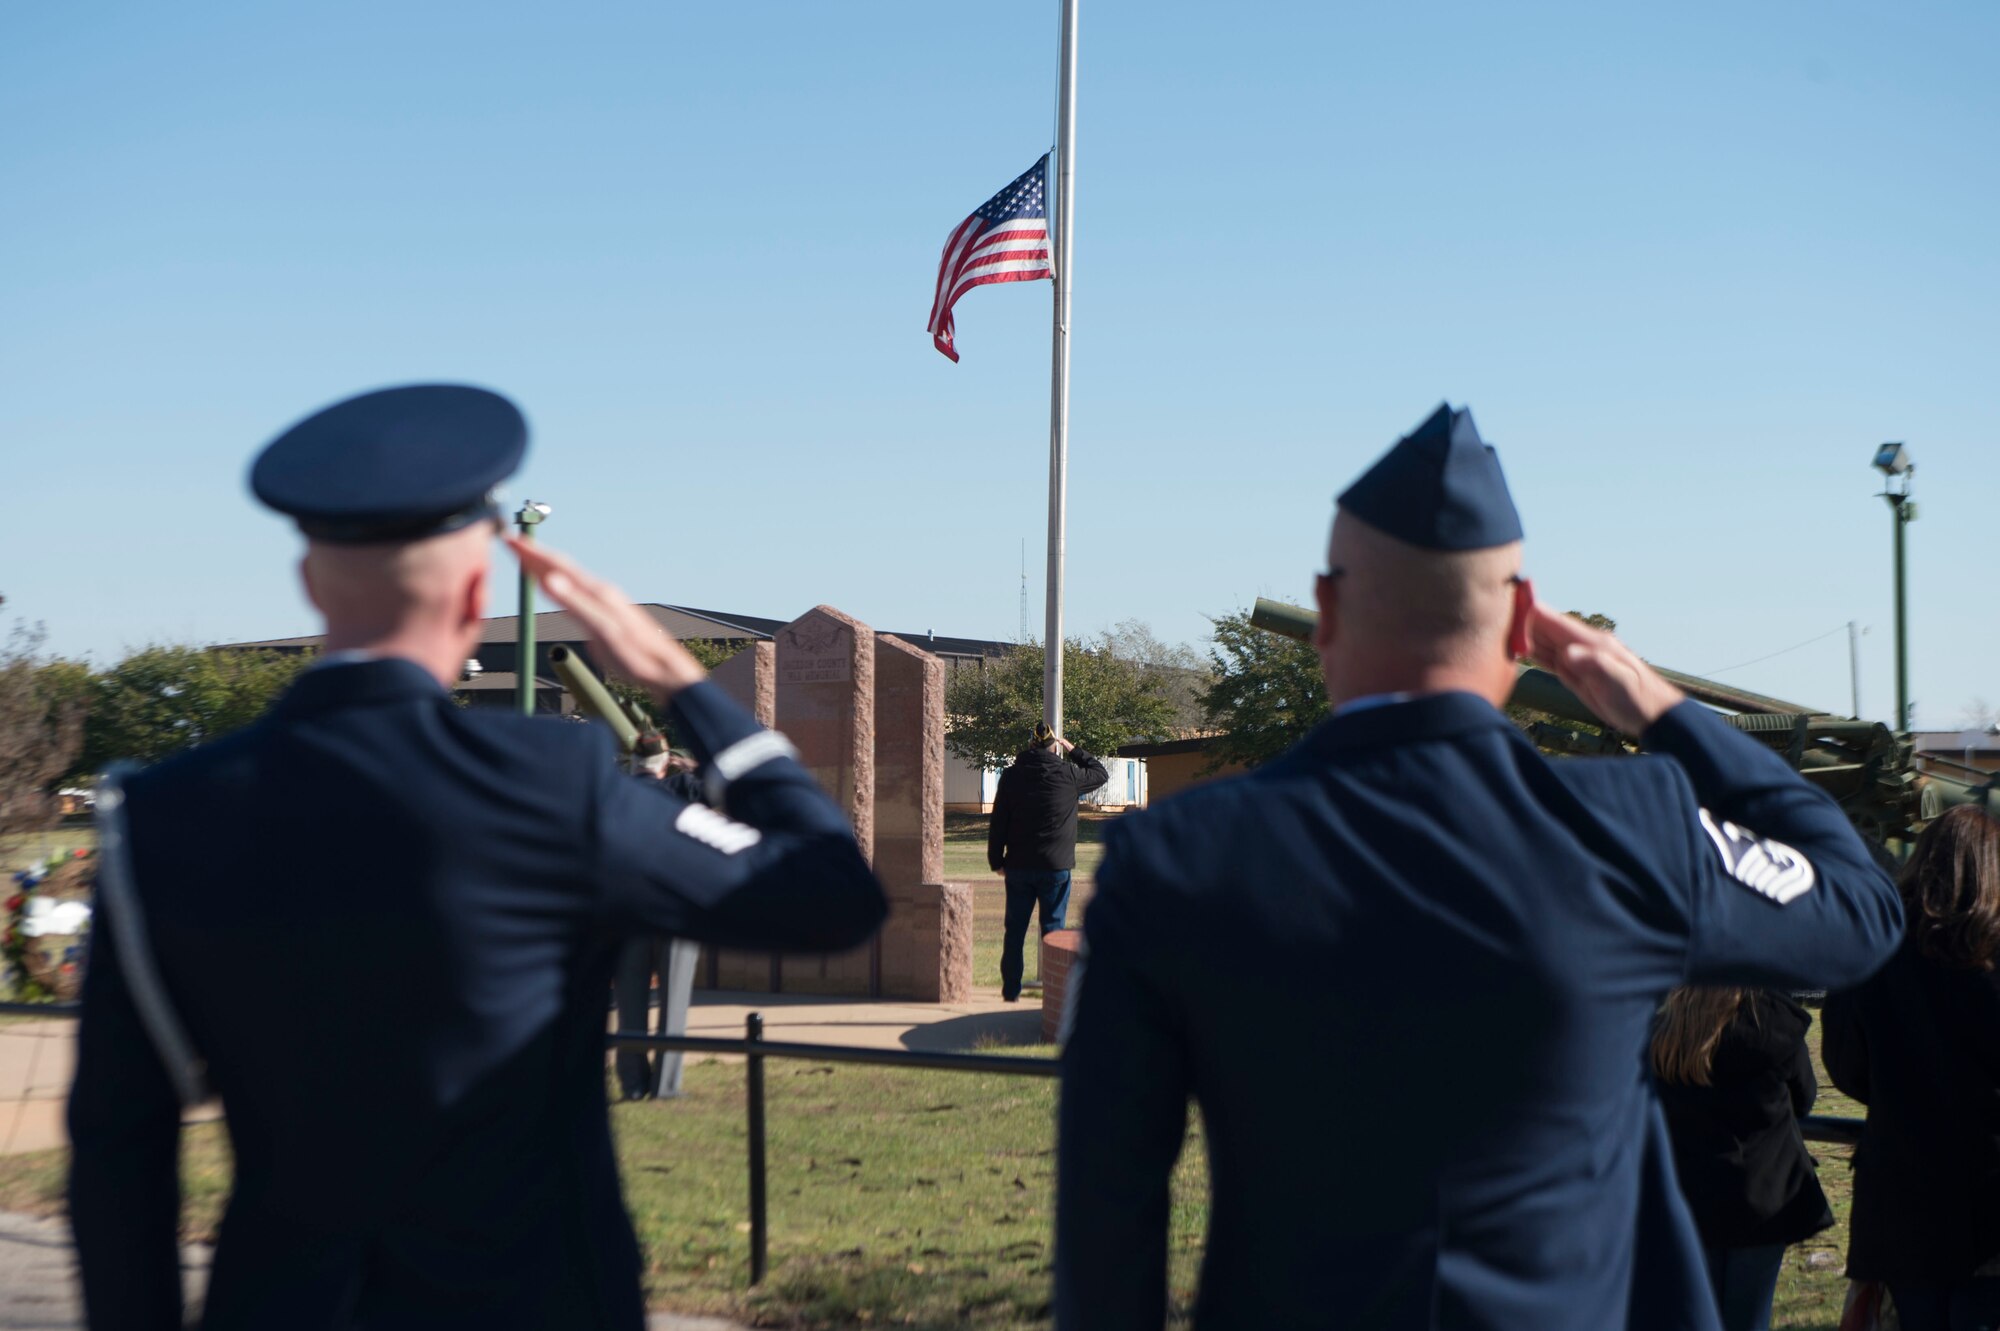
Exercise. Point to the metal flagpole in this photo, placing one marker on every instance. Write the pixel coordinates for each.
(1065, 257)
(1854, 666)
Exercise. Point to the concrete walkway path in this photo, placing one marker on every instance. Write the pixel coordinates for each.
(37, 1060)
(865, 1024)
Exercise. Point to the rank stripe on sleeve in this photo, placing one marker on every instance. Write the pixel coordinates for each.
(715, 830)
(744, 756)
(1769, 867)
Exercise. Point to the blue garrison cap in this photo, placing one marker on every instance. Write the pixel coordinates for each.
(1439, 488)
(399, 464)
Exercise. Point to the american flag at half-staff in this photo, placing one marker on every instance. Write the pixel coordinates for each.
(1005, 240)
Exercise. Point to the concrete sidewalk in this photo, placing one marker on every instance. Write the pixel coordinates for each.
(37, 1060)
(866, 1024)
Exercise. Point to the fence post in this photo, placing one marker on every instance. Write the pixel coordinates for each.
(760, 1235)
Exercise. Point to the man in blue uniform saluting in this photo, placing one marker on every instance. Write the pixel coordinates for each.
(1407, 969)
(381, 927)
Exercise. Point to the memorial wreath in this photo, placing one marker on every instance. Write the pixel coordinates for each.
(36, 971)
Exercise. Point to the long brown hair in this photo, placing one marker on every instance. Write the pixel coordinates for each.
(1689, 1027)
(1951, 890)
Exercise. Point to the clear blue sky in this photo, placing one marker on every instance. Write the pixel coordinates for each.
(1688, 264)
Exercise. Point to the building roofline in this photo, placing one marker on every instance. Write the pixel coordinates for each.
(499, 630)
(1167, 748)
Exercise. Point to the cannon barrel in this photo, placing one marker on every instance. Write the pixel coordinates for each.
(1533, 687)
(1291, 621)
(1862, 764)
(593, 697)
(1967, 788)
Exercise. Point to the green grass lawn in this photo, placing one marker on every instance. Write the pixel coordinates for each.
(965, 860)
(1811, 1288)
(897, 1198)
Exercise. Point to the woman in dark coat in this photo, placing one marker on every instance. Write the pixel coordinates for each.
(1734, 1076)
(1920, 1045)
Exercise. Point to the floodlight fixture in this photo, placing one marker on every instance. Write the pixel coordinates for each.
(1893, 460)
(1895, 463)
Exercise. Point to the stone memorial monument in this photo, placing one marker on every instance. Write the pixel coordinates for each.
(866, 714)
(926, 945)
(747, 677)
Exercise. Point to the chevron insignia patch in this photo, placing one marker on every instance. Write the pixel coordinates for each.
(1769, 867)
(713, 829)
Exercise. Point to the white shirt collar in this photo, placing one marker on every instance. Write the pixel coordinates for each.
(1369, 700)
(352, 656)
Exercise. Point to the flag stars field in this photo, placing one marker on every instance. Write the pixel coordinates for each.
(1005, 240)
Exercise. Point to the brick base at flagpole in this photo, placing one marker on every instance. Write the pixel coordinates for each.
(1060, 951)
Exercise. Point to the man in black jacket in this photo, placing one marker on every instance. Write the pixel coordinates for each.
(1032, 838)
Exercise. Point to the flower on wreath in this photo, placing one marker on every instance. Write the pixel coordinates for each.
(15, 952)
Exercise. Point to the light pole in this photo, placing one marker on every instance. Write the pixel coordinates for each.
(1895, 464)
(527, 520)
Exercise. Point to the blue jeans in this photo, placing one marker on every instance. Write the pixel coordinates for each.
(1744, 1281)
(1027, 889)
(1970, 1305)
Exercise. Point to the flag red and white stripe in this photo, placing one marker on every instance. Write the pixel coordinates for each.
(1005, 240)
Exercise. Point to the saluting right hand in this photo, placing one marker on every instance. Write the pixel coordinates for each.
(632, 643)
(1626, 694)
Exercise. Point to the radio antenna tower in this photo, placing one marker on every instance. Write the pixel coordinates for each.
(1021, 634)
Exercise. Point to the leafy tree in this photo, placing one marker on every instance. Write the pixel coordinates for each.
(711, 652)
(161, 700)
(1182, 671)
(1266, 692)
(1977, 714)
(41, 725)
(1108, 701)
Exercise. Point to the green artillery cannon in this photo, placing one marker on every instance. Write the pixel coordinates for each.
(630, 727)
(1868, 769)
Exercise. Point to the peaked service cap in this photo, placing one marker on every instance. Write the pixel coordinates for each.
(1439, 488)
(397, 464)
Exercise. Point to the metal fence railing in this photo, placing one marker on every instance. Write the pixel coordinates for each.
(753, 1048)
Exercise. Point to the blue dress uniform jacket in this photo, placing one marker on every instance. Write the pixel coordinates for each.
(1407, 971)
(389, 924)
